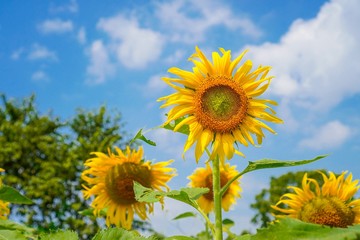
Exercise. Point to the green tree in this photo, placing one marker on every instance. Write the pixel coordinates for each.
(278, 187)
(43, 157)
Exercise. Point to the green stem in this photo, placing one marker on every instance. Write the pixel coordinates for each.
(207, 220)
(217, 199)
(227, 185)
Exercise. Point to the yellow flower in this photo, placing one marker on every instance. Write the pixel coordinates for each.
(4, 206)
(111, 177)
(331, 205)
(202, 177)
(219, 103)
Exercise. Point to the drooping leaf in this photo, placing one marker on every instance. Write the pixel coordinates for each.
(272, 163)
(140, 136)
(184, 215)
(9, 194)
(60, 235)
(287, 228)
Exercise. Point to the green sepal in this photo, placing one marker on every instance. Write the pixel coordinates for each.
(183, 129)
(11, 195)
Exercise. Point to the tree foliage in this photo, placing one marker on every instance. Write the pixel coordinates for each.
(43, 158)
(278, 187)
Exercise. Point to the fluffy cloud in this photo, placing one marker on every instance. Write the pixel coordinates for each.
(72, 7)
(329, 136)
(100, 66)
(81, 35)
(38, 52)
(133, 45)
(316, 61)
(55, 26)
(39, 76)
(178, 16)
(17, 53)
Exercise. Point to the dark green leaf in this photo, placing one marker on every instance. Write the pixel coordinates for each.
(228, 222)
(140, 136)
(287, 228)
(272, 163)
(184, 215)
(9, 194)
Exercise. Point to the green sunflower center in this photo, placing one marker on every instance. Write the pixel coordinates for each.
(330, 211)
(220, 104)
(119, 182)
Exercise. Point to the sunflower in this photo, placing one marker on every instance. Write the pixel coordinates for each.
(331, 205)
(219, 103)
(202, 177)
(111, 177)
(4, 206)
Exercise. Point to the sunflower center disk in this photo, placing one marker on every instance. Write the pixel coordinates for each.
(209, 185)
(220, 104)
(327, 211)
(120, 179)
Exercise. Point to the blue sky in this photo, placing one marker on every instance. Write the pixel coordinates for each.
(87, 53)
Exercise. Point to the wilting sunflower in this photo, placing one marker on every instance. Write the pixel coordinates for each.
(202, 177)
(4, 206)
(331, 205)
(219, 103)
(111, 177)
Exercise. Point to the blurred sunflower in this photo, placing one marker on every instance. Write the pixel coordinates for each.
(202, 177)
(220, 106)
(331, 205)
(111, 177)
(4, 206)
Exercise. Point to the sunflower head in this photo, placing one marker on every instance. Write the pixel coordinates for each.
(332, 204)
(219, 103)
(202, 177)
(110, 178)
(4, 206)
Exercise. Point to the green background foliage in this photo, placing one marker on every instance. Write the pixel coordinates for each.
(43, 158)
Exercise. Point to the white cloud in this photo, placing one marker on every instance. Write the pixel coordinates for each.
(40, 76)
(72, 7)
(38, 52)
(329, 136)
(154, 86)
(55, 26)
(100, 66)
(133, 45)
(17, 53)
(316, 61)
(178, 17)
(175, 57)
(81, 35)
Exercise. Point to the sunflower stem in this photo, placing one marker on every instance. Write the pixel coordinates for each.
(217, 199)
(227, 185)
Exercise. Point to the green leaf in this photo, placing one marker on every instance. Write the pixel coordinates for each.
(186, 195)
(9, 194)
(228, 222)
(119, 234)
(272, 163)
(287, 228)
(179, 238)
(140, 136)
(90, 212)
(60, 235)
(12, 230)
(183, 129)
(184, 215)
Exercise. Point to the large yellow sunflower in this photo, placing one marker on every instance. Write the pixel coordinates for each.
(219, 103)
(331, 205)
(4, 206)
(111, 177)
(202, 177)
